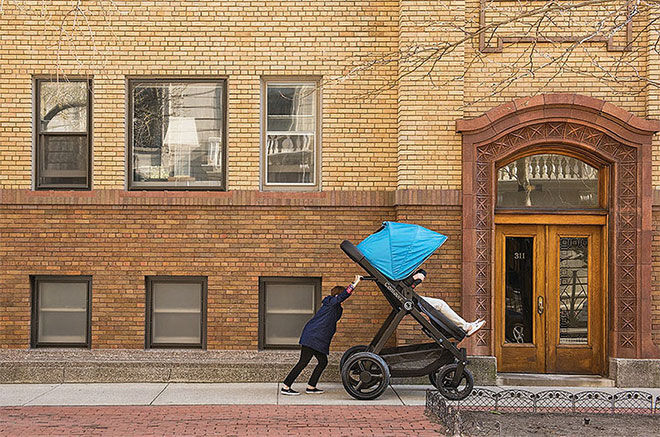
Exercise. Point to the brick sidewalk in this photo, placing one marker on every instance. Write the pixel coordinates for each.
(229, 420)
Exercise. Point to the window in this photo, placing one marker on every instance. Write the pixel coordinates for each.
(61, 314)
(549, 181)
(286, 304)
(177, 134)
(291, 150)
(176, 311)
(62, 128)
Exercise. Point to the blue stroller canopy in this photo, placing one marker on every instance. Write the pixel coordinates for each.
(397, 249)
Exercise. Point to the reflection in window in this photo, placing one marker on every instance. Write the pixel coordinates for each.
(547, 181)
(62, 134)
(519, 290)
(177, 134)
(290, 134)
(573, 290)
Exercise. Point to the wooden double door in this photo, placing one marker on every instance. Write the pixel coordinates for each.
(550, 299)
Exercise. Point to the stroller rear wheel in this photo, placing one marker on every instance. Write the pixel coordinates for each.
(365, 375)
(351, 351)
(443, 380)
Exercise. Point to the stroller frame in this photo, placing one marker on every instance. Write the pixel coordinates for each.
(404, 301)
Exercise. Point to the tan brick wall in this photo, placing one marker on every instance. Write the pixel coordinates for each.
(429, 148)
(242, 42)
(653, 92)
(232, 246)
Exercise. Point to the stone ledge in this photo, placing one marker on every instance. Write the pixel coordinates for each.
(84, 366)
(55, 366)
(635, 372)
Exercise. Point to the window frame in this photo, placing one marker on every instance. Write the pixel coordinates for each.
(604, 176)
(148, 331)
(35, 280)
(130, 85)
(37, 134)
(263, 283)
(314, 81)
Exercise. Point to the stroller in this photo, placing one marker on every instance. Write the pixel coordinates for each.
(390, 256)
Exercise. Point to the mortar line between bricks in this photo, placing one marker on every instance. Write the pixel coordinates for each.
(167, 384)
(41, 394)
(397, 395)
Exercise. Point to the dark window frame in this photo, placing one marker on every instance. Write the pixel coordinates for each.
(35, 280)
(149, 281)
(263, 282)
(130, 85)
(38, 135)
(318, 158)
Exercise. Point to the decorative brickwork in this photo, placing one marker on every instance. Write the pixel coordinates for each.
(587, 127)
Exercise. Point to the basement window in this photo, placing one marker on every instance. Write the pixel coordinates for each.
(176, 312)
(61, 315)
(286, 304)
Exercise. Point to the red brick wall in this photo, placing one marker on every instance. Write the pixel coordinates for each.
(232, 245)
(655, 298)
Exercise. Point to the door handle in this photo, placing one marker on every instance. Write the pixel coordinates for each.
(539, 305)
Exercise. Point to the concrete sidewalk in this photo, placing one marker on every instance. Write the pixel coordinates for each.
(221, 394)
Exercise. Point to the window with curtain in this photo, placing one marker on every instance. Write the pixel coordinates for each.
(63, 120)
(291, 135)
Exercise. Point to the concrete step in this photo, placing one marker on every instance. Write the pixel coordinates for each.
(552, 380)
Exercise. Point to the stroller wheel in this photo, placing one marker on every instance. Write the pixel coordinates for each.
(351, 351)
(365, 375)
(444, 382)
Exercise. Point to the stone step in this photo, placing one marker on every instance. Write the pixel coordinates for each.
(552, 380)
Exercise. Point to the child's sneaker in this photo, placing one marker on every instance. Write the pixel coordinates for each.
(475, 326)
(314, 390)
(288, 392)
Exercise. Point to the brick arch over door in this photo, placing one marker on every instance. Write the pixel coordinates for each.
(596, 128)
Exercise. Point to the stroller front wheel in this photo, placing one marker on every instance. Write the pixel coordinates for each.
(365, 375)
(444, 382)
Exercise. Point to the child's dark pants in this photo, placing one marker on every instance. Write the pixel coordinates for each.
(306, 354)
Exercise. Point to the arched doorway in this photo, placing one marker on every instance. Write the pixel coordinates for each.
(590, 133)
(550, 257)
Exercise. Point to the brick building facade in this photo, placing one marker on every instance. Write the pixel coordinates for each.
(389, 144)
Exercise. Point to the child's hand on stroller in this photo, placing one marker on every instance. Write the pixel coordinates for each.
(357, 280)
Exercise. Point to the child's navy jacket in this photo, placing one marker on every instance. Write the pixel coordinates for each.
(318, 332)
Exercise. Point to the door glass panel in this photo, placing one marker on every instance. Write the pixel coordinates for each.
(573, 290)
(519, 290)
(547, 181)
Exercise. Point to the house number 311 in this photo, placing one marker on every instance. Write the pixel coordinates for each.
(519, 255)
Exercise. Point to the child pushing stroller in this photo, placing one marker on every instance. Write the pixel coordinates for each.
(316, 337)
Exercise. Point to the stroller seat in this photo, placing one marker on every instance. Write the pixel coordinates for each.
(442, 323)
